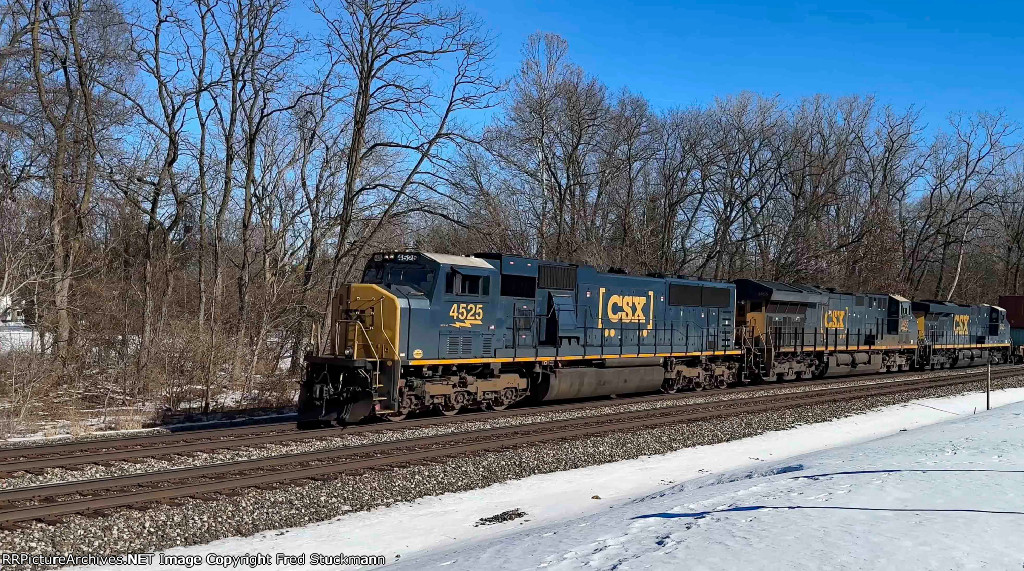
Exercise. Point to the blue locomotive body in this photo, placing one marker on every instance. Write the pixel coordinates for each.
(428, 330)
(952, 334)
(805, 331)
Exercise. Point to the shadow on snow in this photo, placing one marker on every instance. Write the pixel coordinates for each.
(700, 515)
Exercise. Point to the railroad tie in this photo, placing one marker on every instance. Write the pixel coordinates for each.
(141, 506)
(95, 513)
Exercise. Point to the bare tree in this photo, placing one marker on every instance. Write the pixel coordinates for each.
(399, 121)
(73, 47)
(1009, 217)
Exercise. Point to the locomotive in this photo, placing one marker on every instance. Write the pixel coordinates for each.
(425, 331)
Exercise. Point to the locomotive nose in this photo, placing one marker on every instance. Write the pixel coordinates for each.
(359, 365)
(367, 323)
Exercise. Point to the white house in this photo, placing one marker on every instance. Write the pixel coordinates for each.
(14, 332)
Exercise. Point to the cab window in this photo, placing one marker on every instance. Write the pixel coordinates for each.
(419, 278)
(464, 284)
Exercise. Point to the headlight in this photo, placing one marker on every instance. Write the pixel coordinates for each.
(348, 351)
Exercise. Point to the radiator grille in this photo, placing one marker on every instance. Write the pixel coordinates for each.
(460, 345)
(487, 346)
(556, 277)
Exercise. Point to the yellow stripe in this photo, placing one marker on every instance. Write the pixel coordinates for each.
(565, 358)
(972, 346)
(850, 348)
(690, 354)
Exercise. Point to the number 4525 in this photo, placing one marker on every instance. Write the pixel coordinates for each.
(467, 311)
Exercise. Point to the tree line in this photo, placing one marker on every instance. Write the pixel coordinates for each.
(184, 183)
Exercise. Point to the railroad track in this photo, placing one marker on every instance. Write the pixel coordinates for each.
(52, 502)
(37, 459)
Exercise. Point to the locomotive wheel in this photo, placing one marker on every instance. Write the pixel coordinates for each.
(398, 416)
(698, 385)
(508, 396)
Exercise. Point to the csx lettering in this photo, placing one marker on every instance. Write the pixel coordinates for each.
(962, 324)
(620, 308)
(834, 319)
(627, 308)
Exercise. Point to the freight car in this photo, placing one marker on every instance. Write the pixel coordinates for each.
(433, 331)
(1014, 306)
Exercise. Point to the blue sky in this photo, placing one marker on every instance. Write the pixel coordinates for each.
(941, 56)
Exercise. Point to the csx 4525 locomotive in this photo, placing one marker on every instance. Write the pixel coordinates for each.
(435, 331)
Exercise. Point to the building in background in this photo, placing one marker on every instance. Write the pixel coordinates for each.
(17, 327)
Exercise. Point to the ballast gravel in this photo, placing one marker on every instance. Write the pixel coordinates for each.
(306, 445)
(196, 521)
(507, 515)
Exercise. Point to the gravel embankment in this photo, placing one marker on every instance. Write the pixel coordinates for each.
(198, 521)
(92, 471)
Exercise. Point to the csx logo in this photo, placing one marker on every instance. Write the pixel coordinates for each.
(625, 308)
(834, 319)
(962, 324)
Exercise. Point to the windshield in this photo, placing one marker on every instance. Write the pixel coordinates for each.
(419, 278)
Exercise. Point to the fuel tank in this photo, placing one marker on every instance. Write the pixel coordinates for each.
(583, 382)
(840, 364)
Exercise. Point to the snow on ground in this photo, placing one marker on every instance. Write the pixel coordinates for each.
(945, 496)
